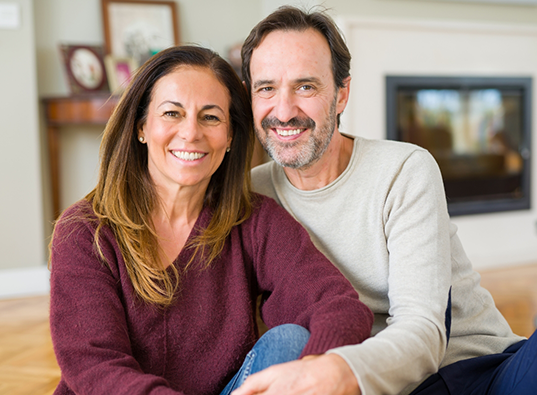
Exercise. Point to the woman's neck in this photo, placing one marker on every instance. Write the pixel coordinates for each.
(174, 219)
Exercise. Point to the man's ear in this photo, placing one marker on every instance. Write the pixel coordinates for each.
(343, 95)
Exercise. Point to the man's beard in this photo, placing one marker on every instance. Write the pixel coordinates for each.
(298, 154)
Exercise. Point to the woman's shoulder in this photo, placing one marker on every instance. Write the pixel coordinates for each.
(267, 213)
(82, 209)
(78, 220)
(263, 204)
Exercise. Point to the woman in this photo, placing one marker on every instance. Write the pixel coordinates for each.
(155, 274)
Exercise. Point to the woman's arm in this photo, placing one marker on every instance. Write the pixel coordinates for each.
(87, 317)
(302, 286)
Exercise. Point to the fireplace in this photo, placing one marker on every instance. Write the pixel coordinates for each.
(477, 128)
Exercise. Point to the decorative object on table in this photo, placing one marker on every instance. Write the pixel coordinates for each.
(119, 72)
(84, 67)
(138, 29)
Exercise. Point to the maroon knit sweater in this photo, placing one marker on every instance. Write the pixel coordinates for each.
(109, 342)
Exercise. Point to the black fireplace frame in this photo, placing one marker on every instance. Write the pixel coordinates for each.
(396, 82)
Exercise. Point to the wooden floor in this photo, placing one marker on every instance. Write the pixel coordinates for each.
(515, 293)
(28, 365)
(27, 362)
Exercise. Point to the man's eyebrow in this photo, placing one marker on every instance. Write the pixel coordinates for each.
(303, 80)
(315, 80)
(259, 83)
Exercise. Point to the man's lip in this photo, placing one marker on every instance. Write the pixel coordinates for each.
(289, 132)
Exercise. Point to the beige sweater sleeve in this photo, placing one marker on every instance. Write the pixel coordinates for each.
(416, 229)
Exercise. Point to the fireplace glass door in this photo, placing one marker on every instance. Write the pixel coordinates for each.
(477, 129)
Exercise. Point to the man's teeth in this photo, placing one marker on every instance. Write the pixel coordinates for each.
(292, 132)
(188, 155)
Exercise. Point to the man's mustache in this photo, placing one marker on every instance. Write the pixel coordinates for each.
(296, 122)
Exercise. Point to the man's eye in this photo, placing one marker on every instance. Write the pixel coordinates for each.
(305, 87)
(266, 89)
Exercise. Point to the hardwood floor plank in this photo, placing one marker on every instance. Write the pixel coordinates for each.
(27, 362)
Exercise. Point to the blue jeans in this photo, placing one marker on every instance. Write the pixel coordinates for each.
(281, 344)
(513, 372)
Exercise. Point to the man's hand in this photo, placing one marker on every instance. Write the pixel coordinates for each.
(326, 374)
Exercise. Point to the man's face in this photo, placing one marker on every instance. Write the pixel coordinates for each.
(294, 98)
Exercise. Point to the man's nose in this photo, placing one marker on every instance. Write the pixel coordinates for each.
(285, 107)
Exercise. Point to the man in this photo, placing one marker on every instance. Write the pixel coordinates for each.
(377, 209)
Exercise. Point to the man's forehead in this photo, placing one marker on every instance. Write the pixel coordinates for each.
(291, 51)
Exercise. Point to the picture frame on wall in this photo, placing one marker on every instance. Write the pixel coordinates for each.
(138, 29)
(119, 72)
(84, 67)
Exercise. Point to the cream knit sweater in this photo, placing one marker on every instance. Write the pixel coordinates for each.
(384, 223)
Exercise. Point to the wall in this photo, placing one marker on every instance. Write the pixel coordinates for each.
(21, 213)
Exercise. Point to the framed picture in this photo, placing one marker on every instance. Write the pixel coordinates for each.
(138, 29)
(119, 72)
(84, 66)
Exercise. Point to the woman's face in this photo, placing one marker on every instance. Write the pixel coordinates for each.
(187, 129)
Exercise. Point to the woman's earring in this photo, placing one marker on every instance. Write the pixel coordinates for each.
(141, 138)
(228, 149)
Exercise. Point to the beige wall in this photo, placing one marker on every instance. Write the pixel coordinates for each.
(22, 243)
(214, 23)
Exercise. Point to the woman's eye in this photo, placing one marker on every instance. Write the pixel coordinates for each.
(171, 114)
(211, 119)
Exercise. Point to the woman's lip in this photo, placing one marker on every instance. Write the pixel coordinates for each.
(188, 155)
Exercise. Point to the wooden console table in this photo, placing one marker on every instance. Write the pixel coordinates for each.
(71, 110)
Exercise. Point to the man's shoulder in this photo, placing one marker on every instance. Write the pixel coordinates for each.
(385, 147)
(262, 179)
(383, 155)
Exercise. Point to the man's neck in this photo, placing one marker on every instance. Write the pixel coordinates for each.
(332, 163)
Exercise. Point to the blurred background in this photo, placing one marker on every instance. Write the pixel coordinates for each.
(449, 38)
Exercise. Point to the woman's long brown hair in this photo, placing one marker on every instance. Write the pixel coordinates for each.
(125, 196)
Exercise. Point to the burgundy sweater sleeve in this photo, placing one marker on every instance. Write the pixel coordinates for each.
(302, 285)
(87, 319)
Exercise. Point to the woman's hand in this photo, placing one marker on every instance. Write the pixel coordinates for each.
(326, 374)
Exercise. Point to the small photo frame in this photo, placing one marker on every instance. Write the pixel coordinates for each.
(138, 29)
(119, 72)
(84, 67)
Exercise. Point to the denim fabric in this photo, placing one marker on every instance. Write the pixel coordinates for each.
(513, 372)
(281, 344)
